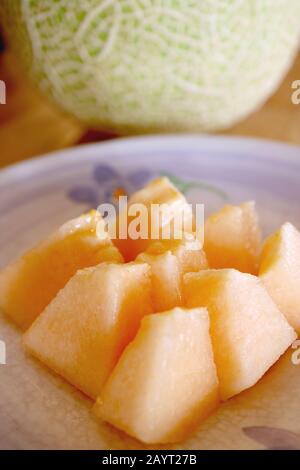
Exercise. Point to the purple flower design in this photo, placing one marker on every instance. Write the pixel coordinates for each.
(106, 183)
(83, 194)
(103, 173)
(274, 438)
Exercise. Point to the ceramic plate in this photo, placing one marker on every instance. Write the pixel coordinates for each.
(39, 410)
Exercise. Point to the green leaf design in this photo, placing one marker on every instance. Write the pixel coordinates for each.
(184, 186)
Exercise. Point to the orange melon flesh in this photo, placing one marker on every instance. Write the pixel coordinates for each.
(83, 331)
(188, 251)
(30, 283)
(159, 191)
(165, 381)
(248, 331)
(166, 280)
(280, 271)
(170, 260)
(232, 238)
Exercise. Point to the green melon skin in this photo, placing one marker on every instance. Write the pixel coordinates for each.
(136, 66)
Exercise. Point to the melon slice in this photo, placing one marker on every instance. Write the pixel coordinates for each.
(166, 280)
(188, 251)
(30, 283)
(165, 381)
(248, 331)
(170, 260)
(280, 271)
(83, 331)
(159, 191)
(232, 238)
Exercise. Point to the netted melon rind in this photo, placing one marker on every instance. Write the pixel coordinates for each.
(150, 65)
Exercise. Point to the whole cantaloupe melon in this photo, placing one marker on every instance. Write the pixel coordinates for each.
(148, 65)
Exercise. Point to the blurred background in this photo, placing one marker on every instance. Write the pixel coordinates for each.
(31, 124)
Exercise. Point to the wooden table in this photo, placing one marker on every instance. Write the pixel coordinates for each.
(30, 125)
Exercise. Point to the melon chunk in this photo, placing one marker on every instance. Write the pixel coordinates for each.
(83, 331)
(30, 283)
(166, 280)
(170, 260)
(232, 238)
(248, 331)
(188, 251)
(159, 191)
(165, 381)
(280, 271)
